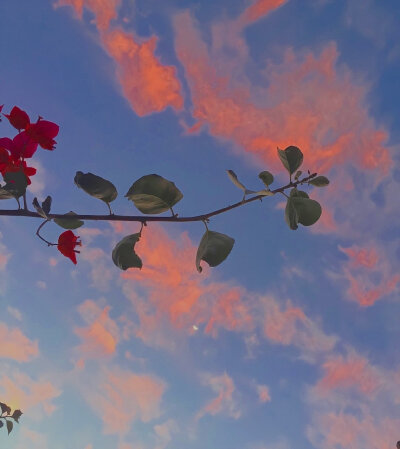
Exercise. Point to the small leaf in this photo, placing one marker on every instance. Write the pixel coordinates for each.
(233, 177)
(266, 177)
(5, 408)
(16, 183)
(39, 209)
(297, 175)
(291, 158)
(153, 194)
(124, 255)
(5, 194)
(214, 248)
(291, 216)
(308, 210)
(10, 426)
(319, 181)
(16, 415)
(69, 223)
(96, 186)
(265, 192)
(46, 205)
(298, 193)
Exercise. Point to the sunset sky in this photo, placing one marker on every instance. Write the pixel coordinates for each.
(294, 341)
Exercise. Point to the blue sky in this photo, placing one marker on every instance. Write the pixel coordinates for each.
(292, 341)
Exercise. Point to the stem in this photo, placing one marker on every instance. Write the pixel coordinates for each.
(141, 218)
(41, 238)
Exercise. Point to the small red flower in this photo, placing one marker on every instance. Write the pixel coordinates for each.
(43, 133)
(18, 118)
(12, 165)
(66, 245)
(21, 146)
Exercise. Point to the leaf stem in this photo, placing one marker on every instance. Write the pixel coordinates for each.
(41, 238)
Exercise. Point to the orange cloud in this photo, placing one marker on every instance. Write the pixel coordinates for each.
(147, 84)
(224, 401)
(103, 10)
(19, 391)
(351, 372)
(15, 345)
(101, 336)
(309, 102)
(259, 9)
(363, 267)
(121, 397)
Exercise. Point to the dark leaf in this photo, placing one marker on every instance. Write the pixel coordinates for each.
(214, 248)
(69, 223)
(5, 408)
(16, 415)
(46, 205)
(124, 255)
(291, 158)
(10, 426)
(319, 181)
(266, 177)
(96, 186)
(38, 208)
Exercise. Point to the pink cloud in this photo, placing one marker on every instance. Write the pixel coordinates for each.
(263, 393)
(121, 397)
(259, 9)
(101, 335)
(20, 391)
(224, 402)
(15, 345)
(353, 371)
(147, 84)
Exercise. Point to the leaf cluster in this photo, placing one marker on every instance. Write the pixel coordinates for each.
(6, 417)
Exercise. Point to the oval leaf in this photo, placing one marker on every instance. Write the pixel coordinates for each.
(308, 210)
(124, 255)
(214, 248)
(291, 158)
(5, 194)
(16, 183)
(294, 193)
(69, 223)
(266, 177)
(96, 186)
(46, 205)
(38, 208)
(319, 181)
(10, 426)
(291, 216)
(153, 194)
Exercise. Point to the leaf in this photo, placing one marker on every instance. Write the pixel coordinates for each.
(233, 177)
(308, 210)
(266, 177)
(1, 424)
(69, 223)
(96, 186)
(298, 193)
(265, 192)
(297, 175)
(291, 158)
(124, 255)
(46, 205)
(319, 181)
(5, 408)
(10, 426)
(214, 248)
(153, 194)
(38, 208)
(16, 183)
(5, 194)
(291, 216)
(16, 415)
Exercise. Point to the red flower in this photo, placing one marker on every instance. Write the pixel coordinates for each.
(66, 245)
(12, 165)
(18, 118)
(21, 146)
(43, 133)
(4, 159)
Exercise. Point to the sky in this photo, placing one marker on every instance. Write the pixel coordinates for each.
(292, 342)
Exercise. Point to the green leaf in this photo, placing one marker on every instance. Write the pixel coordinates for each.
(308, 210)
(16, 183)
(16, 415)
(291, 216)
(38, 208)
(298, 193)
(153, 194)
(297, 175)
(5, 194)
(319, 181)
(46, 205)
(233, 177)
(10, 426)
(291, 158)
(124, 255)
(214, 248)
(96, 186)
(266, 177)
(69, 223)
(265, 192)
(5, 408)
